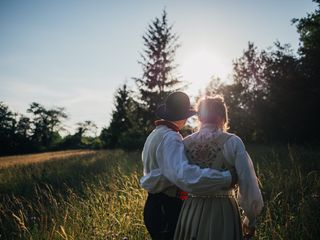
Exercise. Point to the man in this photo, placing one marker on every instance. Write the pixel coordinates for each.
(166, 169)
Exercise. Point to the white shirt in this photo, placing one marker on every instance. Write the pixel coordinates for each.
(249, 195)
(165, 164)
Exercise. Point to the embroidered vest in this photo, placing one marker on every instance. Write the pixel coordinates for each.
(207, 153)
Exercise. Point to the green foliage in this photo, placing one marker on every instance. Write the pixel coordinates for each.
(21, 134)
(124, 130)
(275, 93)
(248, 91)
(82, 138)
(15, 132)
(97, 196)
(86, 127)
(283, 111)
(132, 118)
(309, 30)
(46, 124)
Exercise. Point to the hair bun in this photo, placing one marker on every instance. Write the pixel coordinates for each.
(213, 110)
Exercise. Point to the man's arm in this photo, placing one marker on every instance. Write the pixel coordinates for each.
(154, 181)
(173, 164)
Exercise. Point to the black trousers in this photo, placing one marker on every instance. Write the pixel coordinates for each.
(161, 214)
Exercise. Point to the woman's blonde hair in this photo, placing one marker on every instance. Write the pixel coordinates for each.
(213, 110)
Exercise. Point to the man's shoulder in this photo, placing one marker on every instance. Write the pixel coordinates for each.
(164, 133)
(172, 135)
(190, 137)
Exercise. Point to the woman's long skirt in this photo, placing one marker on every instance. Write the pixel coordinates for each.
(209, 219)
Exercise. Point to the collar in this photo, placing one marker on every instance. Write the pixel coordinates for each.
(210, 126)
(168, 124)
(207, 127)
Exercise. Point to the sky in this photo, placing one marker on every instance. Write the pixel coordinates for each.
(75, 54)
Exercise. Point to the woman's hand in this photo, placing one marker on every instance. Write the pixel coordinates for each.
(234, 177)
(248, 232)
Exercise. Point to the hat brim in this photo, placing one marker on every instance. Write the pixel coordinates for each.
(163, 114)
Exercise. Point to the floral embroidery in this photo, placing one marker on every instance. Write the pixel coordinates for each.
(203, 154)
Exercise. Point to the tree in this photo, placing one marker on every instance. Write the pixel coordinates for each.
(157, 62)
(85, 136)
(278, 115)
(120, 119)
(15, 132)
(7, 123)
(247, 93)
(259, 99)
(86, 127)
(46, 124)
(309, 30)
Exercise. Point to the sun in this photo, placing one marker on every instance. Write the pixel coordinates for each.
(198, 67)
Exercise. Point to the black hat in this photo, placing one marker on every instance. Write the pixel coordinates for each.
(176, 107)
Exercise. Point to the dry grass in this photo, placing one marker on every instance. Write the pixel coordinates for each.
(97, 196)
(40, 157)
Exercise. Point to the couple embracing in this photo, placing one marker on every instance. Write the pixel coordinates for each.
(210, 165)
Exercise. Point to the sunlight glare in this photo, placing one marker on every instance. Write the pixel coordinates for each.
(198, 68)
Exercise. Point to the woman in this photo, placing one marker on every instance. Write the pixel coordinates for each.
(216, 216)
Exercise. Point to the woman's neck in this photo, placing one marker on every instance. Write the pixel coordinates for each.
(209, 125)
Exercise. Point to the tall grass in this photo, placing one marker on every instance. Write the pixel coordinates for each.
(97, 196)
(290, 182)
(92, 197)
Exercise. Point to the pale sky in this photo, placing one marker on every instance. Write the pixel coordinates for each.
(75, 54)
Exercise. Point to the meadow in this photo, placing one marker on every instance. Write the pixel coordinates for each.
(96, 194)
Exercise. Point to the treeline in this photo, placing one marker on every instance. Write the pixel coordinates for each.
(273, 98)
(41, 131)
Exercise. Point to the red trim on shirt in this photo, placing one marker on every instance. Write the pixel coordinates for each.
(168, 124)
(182, 195)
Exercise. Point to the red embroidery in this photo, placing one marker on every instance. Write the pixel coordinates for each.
(168, 124)
(182, 195)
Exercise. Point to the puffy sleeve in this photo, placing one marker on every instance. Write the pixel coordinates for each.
(249, 195)
(154, 181)
(174, 166)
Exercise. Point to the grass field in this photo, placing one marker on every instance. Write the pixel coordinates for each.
(40, 157)
(96, 194)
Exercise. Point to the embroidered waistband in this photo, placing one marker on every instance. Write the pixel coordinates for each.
(219, 194)
(211, 196)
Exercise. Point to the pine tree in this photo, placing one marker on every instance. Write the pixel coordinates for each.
(120, 121)
(158, 78)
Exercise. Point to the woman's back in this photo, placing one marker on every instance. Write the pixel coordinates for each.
(205, 148)
(209, 216)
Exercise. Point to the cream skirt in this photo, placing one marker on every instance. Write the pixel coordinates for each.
(204, 218)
